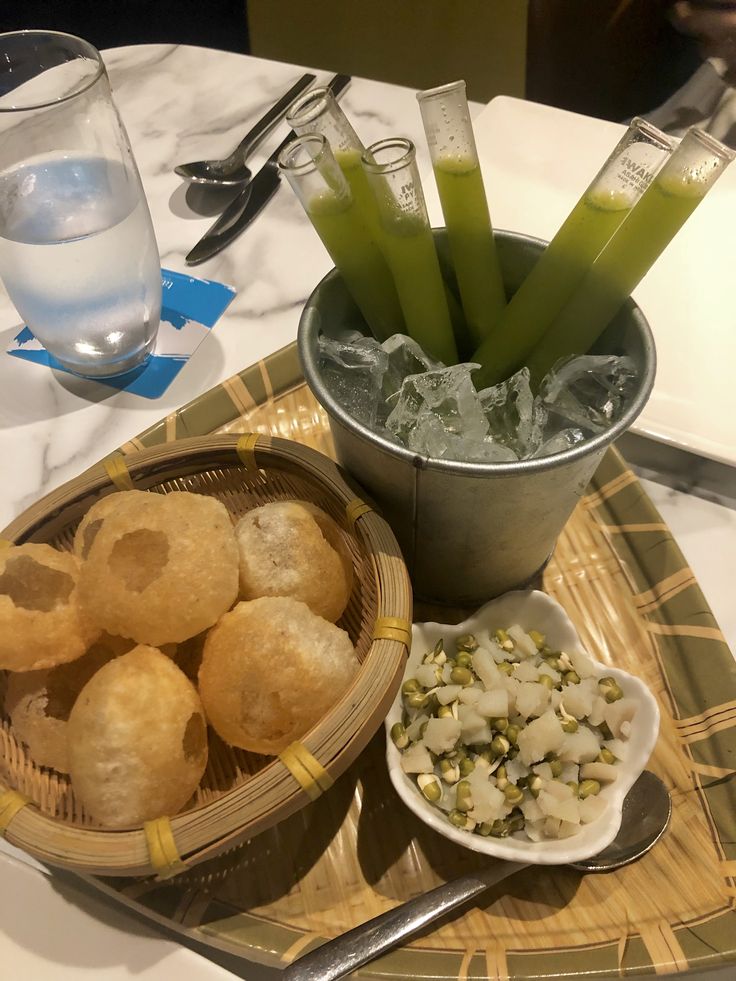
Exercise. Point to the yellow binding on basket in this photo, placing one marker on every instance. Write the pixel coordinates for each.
(356, 509)
(117, 471)
(393, 628)
(10, 803)
(162, 850)
(245, 448)
(306, 770)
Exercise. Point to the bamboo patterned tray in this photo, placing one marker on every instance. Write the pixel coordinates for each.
(358, 851)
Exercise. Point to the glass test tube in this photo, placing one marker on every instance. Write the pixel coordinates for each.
(606, 203)
(317, 111)
(325, 194)
(409, 246)
(677, 190)
(457, 171)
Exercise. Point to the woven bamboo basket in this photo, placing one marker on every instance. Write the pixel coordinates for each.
(241, 794)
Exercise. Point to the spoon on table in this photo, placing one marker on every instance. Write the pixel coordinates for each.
(252, 197)
(233, 171)
(646, 814)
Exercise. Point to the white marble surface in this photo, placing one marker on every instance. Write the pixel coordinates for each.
(181, 104)
(178, 104)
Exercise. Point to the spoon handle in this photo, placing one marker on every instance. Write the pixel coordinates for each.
(254, 136)
(337, 958)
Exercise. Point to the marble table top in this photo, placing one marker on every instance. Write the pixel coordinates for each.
(183, 103)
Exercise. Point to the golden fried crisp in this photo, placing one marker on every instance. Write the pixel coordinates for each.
(292, 548)
(163, 573)
(271, 669)
(137, 740)
(92, 521)
(41, 623)
(39, 702)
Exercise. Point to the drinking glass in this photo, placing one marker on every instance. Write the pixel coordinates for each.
(78, 254)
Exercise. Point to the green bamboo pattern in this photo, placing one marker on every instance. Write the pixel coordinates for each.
(615, 536)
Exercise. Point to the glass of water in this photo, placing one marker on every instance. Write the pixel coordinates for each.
(78, 255)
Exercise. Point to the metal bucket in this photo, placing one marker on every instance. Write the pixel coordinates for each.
(469, 531)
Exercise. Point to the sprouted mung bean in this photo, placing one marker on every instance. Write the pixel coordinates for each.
(507, 736)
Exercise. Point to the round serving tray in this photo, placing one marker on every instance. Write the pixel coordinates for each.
(358, 851)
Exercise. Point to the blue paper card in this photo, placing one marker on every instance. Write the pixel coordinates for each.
(190, 308)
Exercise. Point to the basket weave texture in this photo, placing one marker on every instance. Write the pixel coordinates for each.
(241, 793)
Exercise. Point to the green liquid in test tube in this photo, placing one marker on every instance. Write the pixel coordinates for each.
(317, 111)
(409, 245)
(675, 193)
(457, 171)
(601, 210)
(325, 194)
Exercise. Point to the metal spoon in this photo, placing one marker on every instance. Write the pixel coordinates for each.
(233, 171)
(646, 814)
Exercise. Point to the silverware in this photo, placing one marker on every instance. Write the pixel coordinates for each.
(251, 200)
(646, 814)
(232, 170)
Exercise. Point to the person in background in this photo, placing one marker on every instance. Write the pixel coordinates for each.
(612, 59)
(708, 99)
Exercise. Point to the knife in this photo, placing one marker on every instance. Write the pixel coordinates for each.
(249, 203)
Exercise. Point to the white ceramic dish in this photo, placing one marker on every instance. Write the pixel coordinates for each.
(532, 610)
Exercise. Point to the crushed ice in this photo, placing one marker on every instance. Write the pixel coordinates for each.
(396, 390)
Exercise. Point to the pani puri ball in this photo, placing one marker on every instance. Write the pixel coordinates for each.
(137, 740)
(92, 521)
(292, 548)
(162, 573)
(39, 702)
(41, 621)
(271, 669)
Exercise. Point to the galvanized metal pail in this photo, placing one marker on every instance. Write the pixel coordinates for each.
(469, 531)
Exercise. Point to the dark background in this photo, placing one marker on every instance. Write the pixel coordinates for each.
(607, 58)
(109, 23)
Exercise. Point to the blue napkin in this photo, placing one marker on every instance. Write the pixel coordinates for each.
(190, 308)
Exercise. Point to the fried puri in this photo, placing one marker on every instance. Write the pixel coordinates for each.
(271, 669)
(39, 702)
(162, 573)
(92, 521)
(292, 548)
(137, 740)
(41, 621)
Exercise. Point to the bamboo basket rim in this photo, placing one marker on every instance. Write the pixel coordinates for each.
(207, 829)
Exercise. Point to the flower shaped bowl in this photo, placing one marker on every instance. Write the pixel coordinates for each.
(532, 610)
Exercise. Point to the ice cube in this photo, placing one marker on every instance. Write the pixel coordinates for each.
(405, 357)
(589, 392)
(400, 392)
(430, 438)
(560, 441)
(353, 373)
(515, 418)
(438, 404)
